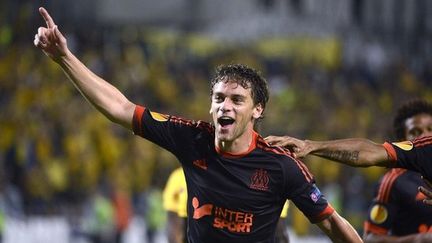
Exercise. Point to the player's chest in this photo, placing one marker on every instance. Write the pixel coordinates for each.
(250, 176)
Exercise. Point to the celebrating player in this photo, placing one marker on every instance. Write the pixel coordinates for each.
(236, 183)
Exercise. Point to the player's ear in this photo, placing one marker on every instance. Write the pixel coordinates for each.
(257, 111)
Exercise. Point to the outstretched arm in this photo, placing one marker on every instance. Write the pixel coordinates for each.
(103, 96)
(356, 152)
(338, 229)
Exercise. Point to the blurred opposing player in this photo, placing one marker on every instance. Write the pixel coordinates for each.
(174, 202)
(281, 230)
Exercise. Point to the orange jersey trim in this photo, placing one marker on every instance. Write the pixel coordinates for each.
(423, 141)
(139, 112)
(191, 123)
(262, 144)
(137, 119)
(391, 152)
(329, 210)
(371, 228)
(237, 155)
(387, 184)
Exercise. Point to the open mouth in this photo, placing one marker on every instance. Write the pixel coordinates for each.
(225, 121)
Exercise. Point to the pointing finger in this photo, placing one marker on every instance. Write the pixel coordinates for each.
(48, 20)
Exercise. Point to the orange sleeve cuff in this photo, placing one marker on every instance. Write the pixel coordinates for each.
(371, 228)
(137, 120)
(391, 152)
(324, 214)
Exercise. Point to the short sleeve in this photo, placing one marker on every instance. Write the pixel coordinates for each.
(303, 192)
(412, 155)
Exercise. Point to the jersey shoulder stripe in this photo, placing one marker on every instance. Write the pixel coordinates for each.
(191, 123)
(387, 184)
(420, 142)
(262, 144)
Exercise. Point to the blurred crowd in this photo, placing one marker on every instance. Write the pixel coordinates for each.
(58, 155)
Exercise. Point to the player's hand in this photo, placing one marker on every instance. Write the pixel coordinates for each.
(298, 147)
(426, 192)
(49, 39)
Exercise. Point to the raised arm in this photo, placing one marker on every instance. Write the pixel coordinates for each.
(338, 229)
(103, 96)
(356, 152)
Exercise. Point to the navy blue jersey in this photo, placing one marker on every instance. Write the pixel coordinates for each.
(397, 208)
(413, 155)
(232, 197)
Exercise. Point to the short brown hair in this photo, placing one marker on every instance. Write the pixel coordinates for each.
(246, 77)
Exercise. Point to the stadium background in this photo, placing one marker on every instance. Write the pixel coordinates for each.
(336, 68)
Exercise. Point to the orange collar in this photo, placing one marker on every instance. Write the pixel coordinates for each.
(252, 146)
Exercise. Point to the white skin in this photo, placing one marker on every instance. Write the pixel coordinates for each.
(230, 99)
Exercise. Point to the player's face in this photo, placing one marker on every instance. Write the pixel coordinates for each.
(233, 111)
(418, 126)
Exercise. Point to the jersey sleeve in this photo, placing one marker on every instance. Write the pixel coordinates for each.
(302, 191)
(384, 208)
(412, 155)
(175, 134)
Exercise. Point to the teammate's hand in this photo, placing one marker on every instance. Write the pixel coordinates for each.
(49, 39)
(298, 147)
(426, 192)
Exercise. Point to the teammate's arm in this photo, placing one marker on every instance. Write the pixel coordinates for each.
(413, 238)
(338, 229)
(356, 152)
(102, 95)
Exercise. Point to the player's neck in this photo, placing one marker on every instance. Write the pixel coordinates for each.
(240, 145)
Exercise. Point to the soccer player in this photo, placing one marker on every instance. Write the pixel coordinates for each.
(174, 202)
(397, 213)
(236, 183)
(359, 152)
